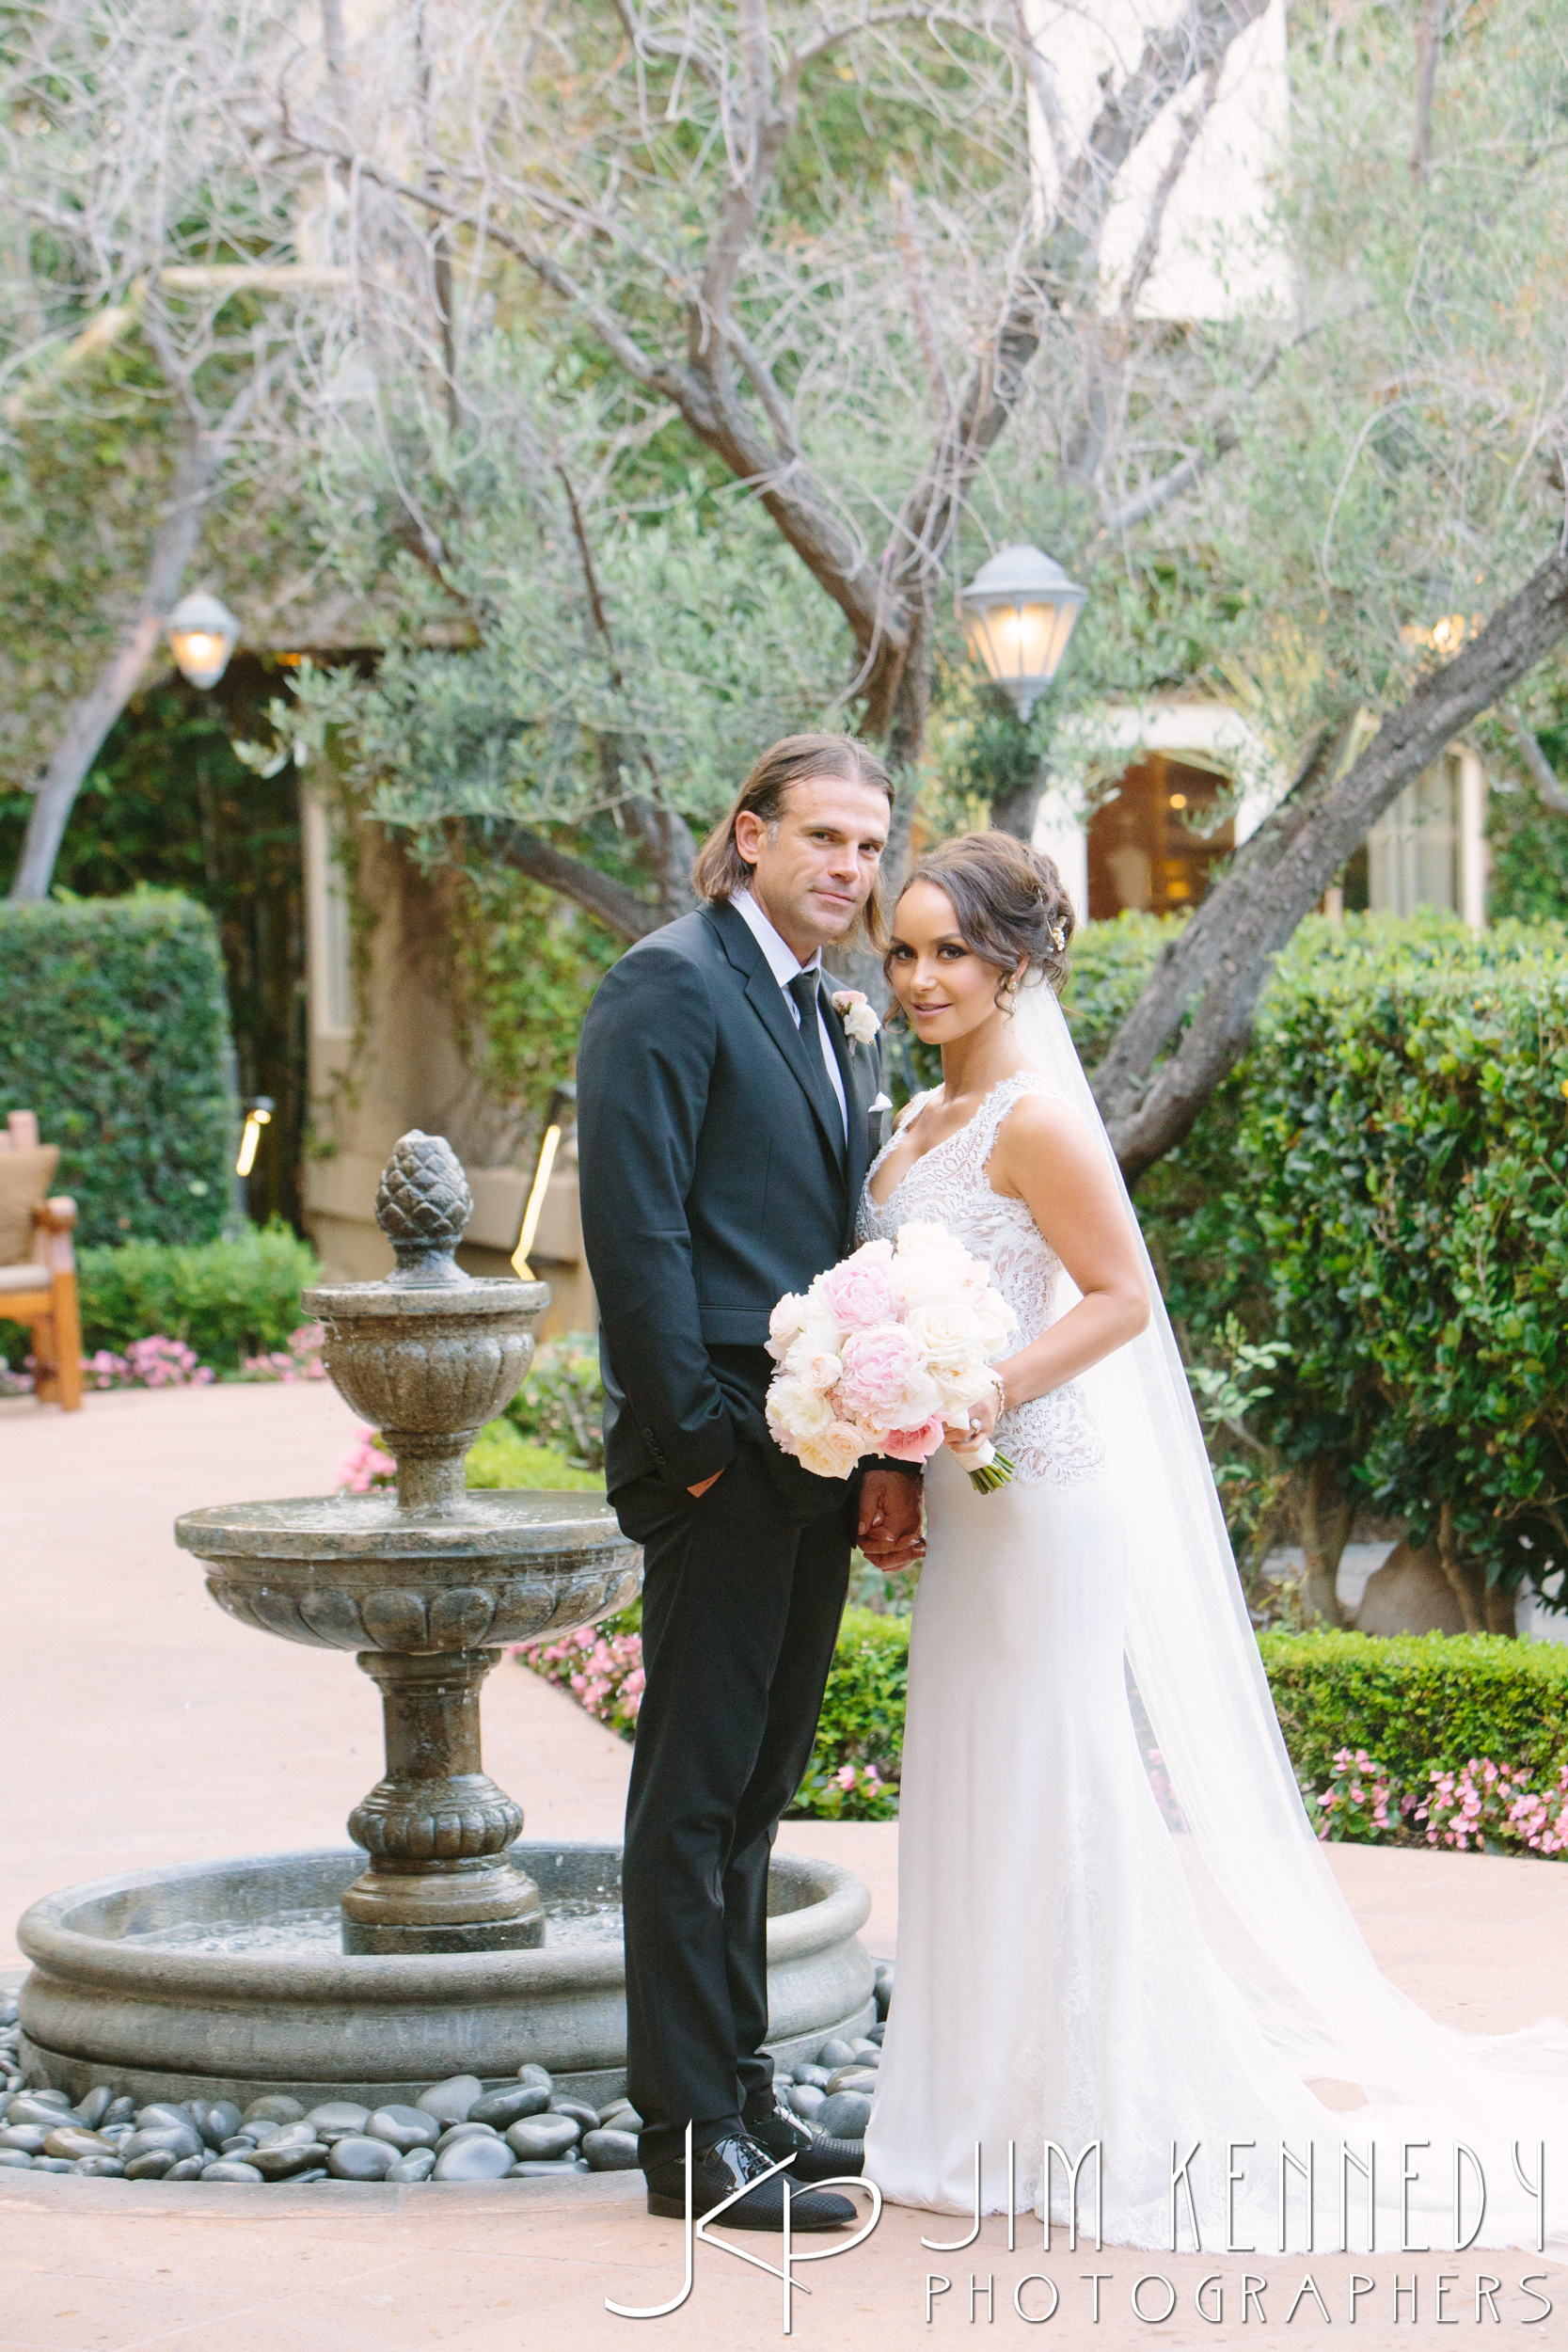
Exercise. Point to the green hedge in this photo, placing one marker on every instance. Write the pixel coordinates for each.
(1416, 1704)
(116, 1033)
(1418, 1701)
(1383, 1185)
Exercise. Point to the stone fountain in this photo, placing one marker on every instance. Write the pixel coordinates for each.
(440, 1944)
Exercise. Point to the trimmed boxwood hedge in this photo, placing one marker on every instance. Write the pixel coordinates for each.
(1416, 1702)
(116, 1033)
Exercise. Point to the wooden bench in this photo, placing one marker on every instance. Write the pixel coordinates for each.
(38, 1265)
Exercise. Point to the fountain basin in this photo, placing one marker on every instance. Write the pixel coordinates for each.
(120, 1993)
(355, 1572)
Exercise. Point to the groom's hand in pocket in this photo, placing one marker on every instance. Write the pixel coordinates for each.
(891, 1531)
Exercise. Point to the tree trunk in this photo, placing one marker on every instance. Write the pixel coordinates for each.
(1327, 1511)
(94, 713)
(1227, 948)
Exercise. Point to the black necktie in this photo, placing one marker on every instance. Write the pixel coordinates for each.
(803, 989)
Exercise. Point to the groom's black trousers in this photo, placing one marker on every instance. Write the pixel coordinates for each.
(743, 1588)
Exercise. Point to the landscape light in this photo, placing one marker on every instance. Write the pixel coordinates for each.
(1019, 612)
(202, 633)
(255, 1118)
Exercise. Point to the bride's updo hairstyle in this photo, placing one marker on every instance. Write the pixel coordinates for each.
(1009, 903)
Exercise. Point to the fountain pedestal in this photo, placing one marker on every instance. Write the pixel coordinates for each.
(450, 1955)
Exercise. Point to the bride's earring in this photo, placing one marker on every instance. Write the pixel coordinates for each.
(1009, 1000)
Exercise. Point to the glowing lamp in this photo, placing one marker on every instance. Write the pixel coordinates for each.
(1019, 612)
(202, 634)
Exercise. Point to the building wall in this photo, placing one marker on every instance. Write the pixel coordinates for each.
(385, 1057)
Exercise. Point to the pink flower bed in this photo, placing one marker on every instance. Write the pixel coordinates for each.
(153, 1363)
(1483, 1806)
(303, 1360)
(601, 1668)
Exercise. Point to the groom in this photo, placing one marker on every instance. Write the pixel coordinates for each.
(724, 1128)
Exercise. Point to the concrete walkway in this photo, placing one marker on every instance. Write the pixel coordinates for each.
(140, 1727)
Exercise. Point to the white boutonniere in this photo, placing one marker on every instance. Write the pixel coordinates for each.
(861, 1024)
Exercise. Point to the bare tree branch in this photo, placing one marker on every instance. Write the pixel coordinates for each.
(1547, 781)
(601, 896)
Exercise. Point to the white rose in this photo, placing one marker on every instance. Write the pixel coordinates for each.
(820, 1335)
(800, 1412)
(784, 1323)
(994, 1317)
(945, 1327)
(962, 1385)
(860, 1024)
(922, 1397)
(819, 1370)
(835, 1451)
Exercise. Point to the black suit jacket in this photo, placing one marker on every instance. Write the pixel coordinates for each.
(711, 1181)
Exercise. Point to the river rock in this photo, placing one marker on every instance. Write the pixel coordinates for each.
(541, 2138)
(219, 2121)
(418, 2164)
(33, 2106)
(52, 2164)
(856, 2077)
(866, 2048)
(25, 2139)
(619, 2116)
(275, 2108)
(817, 2077)
(15, 2160)
(875, 2034)
(403, 2128)
(120, 2110)
(480, 2158)
(451, 2102)
(286, 2160)
(190, 2168)
(508, 2104)
(535, 2169)
(835, 2053)
(73, 2141)
(357, 2157)
(152, 2166)
(807, 2100)
(465, 2131)
(338, 2118)
(845, 2115)
(100, 2168)
(881, 1986)
(95, 2106)
(533, 2073)
(611, 2152)
(577, 2108)
(163, 2115)
(231, 2168)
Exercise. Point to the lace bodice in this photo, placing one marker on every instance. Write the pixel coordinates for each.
(1051, 1440)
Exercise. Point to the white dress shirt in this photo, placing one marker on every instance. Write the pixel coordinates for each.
(784, 963)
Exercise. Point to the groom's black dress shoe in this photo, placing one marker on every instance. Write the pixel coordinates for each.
(817, 2156)
(717, 2171)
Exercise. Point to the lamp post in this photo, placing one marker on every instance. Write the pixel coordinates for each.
(1017, 613)
(201, 635)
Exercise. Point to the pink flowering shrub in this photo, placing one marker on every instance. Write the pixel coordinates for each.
(601, 1666)
(302, 1360)
(849, 1792)
(153, 1363)
(366, 1465)
(1357, 1800)
(1482, 1807)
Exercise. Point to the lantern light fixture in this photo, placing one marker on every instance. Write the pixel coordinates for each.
(1018, 613)
(202, 633)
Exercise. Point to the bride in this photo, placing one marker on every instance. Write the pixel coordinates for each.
(1117, 1933)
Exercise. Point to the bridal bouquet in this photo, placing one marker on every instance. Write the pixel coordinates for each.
(885, 1353)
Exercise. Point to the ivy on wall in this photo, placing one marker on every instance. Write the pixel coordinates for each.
(116, 1033)
(526, 963)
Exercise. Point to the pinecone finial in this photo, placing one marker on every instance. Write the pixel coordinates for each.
(423, 1204)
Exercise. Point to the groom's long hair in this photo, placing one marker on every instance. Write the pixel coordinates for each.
(721, 870)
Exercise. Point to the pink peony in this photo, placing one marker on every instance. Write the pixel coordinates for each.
(915, 1445)
(879, 1364)
(862, 1291)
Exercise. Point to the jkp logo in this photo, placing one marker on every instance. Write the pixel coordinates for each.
(789, 2260)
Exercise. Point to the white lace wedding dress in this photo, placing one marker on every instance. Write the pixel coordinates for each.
(1056, 1981)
